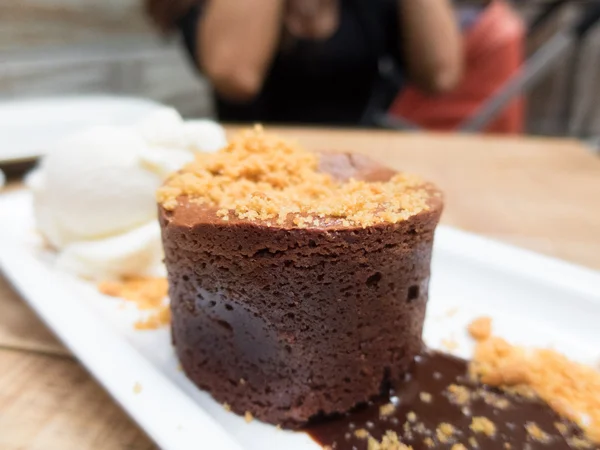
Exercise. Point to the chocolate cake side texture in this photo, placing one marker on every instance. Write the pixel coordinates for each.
(289, 322)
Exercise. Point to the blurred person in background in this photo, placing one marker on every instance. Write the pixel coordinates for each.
(315, 61)
(494, 36)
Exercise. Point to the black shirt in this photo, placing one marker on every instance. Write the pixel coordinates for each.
(336, 81)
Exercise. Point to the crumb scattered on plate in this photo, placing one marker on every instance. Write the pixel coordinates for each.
(449, 344)
(147, 293)
(480, 328)
(390, 441)
(156, 319)
(483, 425)
(570, 388)
(425, 397)
(137, 387)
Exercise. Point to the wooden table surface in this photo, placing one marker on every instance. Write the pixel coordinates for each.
(540, 194)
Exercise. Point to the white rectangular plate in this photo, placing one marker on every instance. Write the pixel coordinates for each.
(534, 300)
(30, 127)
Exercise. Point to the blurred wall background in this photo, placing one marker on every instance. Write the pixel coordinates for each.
(54, 47)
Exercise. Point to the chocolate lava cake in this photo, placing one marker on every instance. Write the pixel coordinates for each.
(298, 281)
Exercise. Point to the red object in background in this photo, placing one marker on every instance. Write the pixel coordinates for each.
(494, 51)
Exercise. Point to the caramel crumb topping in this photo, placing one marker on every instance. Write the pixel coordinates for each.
(425, 397)
(569, 388)
(157, 319)
(147, 293)
(483, 425)
(459, 395)
(507, 446)
(561, 427)
(444, 432)
(429, 442)
(473, 442)
(493, 399)
(458, 447)
(449, 344)
(387, 410)
(258, 176)
(411, 416)
(361, 433)
(536, 433)
(480, 328)
(407, 430)
(420, 428)
(577, 442)
(226, 407)
(390, 441)
(248, 417)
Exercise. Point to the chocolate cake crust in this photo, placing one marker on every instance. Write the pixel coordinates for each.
(288, 322)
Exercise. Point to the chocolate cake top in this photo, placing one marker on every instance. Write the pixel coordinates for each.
(260, 177)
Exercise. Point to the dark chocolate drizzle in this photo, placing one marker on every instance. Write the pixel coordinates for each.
(431, 375)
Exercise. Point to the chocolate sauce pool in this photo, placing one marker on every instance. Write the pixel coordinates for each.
(430, 378)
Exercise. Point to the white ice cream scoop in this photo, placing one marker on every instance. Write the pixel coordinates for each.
(94, 193)
(93, 185)
(171, 141)
(166, 129)
(134, 253)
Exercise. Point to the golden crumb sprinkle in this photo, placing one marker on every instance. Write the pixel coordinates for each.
(147, 293)
(449, 344)
(579, 443)
(458, 447)
(425, 397)
(248, 417)
(259, 176)
(361, 433)
(536, 433)
(480, 328)
(387, 410)
(473, 442)
(226, 407)
(389, 441)
(459, 395)
(507, 446)
(411, 416)
(561, 428)
(569, 388)
(157, 319)
(137, 387)
(420, 428)
(483, 425)
(493, 399)
(429, 442)
(444, 432)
